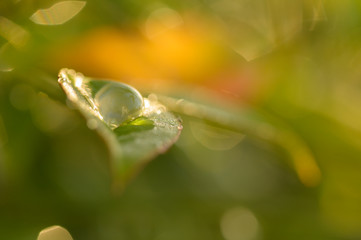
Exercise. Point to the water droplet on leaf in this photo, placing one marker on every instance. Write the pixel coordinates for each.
(112, 102)
(118, 103)
(135, 129)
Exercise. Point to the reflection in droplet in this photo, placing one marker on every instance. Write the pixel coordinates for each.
(118, 103)
(54, 233)
(13, 33)
(239, 224)
(59, 13)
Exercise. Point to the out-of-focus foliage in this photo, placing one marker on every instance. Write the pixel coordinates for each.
(294, 63)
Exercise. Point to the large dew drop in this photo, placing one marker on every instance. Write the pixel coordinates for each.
(118, 103)
(112, 102)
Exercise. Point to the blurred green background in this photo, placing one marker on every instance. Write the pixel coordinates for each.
(294, 63)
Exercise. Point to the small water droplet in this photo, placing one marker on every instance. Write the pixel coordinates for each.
(118, 103)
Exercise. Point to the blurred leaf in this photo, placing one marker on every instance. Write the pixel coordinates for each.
(54, 233)
(257, 124)
(13, 33)
(57, 14)
(134, 134)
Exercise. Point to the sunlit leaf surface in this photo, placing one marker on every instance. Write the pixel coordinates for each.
(59, 13)
(134, 128)
(54, 233)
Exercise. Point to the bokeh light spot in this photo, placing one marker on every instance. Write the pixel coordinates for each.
(57, 14)
(54, 233)
(239, 224)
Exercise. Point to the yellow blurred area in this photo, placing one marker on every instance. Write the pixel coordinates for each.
(168, 53)
(177, 55)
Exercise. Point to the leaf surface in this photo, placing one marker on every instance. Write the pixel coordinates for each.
(140, 137)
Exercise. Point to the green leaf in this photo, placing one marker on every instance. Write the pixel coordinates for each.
(136, 129)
